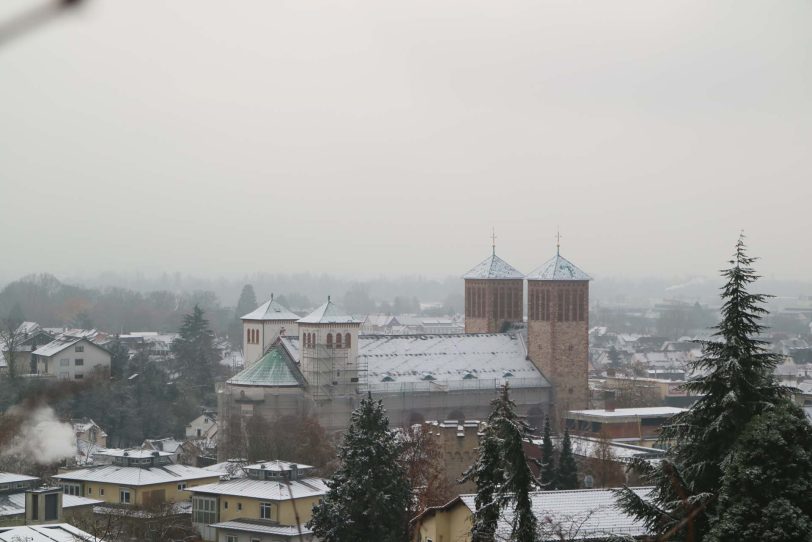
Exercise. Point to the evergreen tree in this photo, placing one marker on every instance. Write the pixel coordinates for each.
(567, 469)
(488, 475)
(246, 303)
(195, 356)
(767, 481)
(119, 357)
(369, 494)
(614, 358)
(548, 473)
(735, 383)
(502, 474)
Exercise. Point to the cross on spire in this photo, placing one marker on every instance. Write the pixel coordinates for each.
(558, 241)
(493, 240)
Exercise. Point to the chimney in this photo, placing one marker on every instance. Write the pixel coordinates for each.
(609, 400)
(43, 505)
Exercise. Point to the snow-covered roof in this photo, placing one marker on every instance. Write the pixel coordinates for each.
(278, 466)
(646, 412)
(56, 346)
(494, 267)
(167, 445)
(273, 369)
(57, 532)
(581, 514)
(266, 489)
(133, 453)
(442, 362)
(13, 478)
(328, 313)
(590, 447)
(14, 504)
(263, 527)
(558, 268)
(271, 310)
(27, 328)
(137, 476)
(232, 468)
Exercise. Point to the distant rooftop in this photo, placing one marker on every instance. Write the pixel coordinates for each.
(271, 310)
(646, 412)
(278, 466)
(58, 532)
(494, 267)
(328, 313)
(558, 268)
(266, 489)
(137, 476)
(263, 526)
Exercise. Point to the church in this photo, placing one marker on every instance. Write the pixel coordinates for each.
(322, 365)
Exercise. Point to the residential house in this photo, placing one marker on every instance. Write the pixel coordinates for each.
(136, 478)
(203, 427)
(71, 358)
(23, 501)
(272, 503)
(583, 514)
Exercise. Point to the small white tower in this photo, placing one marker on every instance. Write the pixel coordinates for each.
(262, 326)
(328, 340)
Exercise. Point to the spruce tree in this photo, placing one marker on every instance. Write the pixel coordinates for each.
(548, 472)
(369, 493)
(767, 481)
(195, 356)
(735, 383)
(567, 468)
(502, 474)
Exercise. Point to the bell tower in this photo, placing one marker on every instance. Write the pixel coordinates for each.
(493, 295)
(558, 330)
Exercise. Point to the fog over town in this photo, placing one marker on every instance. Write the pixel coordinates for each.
(422, 271)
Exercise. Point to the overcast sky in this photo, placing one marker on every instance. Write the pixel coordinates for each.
(382, 137)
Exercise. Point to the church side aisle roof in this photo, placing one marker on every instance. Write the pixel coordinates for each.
(328, 313)
(558, 268)
(272, 369)
(270, 310)
(494, 267)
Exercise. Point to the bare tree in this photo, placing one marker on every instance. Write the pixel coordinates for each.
(422, 459)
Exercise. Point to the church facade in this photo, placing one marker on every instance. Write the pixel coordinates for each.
(322, 365)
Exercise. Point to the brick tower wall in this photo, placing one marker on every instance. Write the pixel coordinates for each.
(489, 304)
(558, 339)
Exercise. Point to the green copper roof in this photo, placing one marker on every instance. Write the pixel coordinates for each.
(271, 370)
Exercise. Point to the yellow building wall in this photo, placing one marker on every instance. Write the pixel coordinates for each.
(283, 512)
(139, 495)
(452, 525)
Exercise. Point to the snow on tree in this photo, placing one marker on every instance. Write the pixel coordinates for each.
(548, 471)
(369, 493)
(502, 475)
(735, 383)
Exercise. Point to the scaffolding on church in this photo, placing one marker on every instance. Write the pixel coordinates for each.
(331, 372)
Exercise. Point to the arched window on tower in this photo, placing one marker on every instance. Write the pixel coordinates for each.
(248, 336)
(347, 340)
(338, 340)
(329, 340)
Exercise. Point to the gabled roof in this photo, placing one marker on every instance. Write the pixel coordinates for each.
(328, 313)
(58, 345)
(272, 369)
(494, 267)
(558, 268)
(271, 310)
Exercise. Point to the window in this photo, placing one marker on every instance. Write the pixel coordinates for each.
(64, 362)
(204, 509)
(338, 340)
(264, 510)
(89, 490)
(124, 496)
(101, 491)
(329, 340)
(79, 376)
(181, 486)
(79, 348)
(78, 362)
(347, 340)
(72, 489)
(225, 505)
(248, 335)
(239, 506)
(231, 538)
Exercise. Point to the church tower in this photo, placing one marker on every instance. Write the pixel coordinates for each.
(558, 330)
(328, 342)
(262, 326)
(493, 295)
